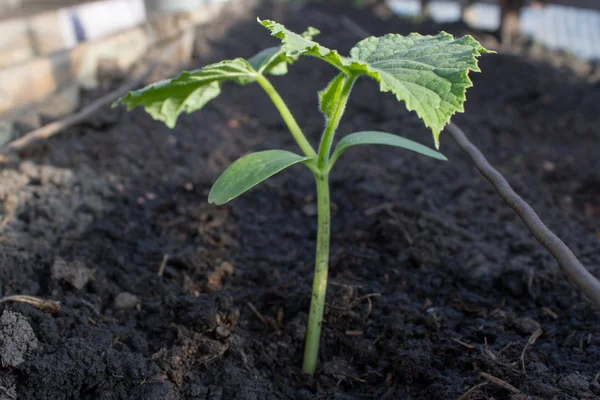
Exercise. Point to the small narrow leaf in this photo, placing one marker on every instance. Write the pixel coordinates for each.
(329, 96)
(429, 73)
(249, 171)
(375, 137)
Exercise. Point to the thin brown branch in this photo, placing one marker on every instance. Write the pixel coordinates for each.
(258, 314)
(530, 342)
(465, 344)
(500, 383)
(49, 306)
(568, 262)
(163, 265)
(469, 392)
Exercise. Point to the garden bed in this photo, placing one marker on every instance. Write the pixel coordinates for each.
(433, 278)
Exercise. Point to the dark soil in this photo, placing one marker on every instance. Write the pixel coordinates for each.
(433, 278)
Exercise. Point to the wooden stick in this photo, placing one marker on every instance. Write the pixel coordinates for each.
(568, 262)
(49, 306)
(531, 341)
(163, 265)
(500, 383)
(469, 392)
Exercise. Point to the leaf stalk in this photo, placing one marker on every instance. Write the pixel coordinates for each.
(287, 116)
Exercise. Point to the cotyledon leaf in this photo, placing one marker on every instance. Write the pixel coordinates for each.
(249, 171)
(428, 73)
(384, 138)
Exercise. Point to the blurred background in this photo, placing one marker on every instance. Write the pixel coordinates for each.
(56, 47)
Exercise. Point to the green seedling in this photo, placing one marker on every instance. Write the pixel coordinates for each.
(428, 73)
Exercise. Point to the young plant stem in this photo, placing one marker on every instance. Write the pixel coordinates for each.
(287, 116)
(317, 303)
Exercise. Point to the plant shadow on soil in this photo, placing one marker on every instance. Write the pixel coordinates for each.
(433, 278)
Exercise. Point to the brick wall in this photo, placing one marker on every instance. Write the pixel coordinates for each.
(57, 50)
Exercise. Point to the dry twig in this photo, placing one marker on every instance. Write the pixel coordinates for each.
(465, 344)
(354, 333)
(49, 306)
(500, 383)
(568, 262)
(531, 341)
(163, 265)
(469, 392)
(257, 313)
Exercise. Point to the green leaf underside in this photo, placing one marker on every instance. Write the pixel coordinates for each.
(248, 171)
(375, 137)
(190, 91)
(271, 60)
(428, 73)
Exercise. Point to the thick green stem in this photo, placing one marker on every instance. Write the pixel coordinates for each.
(333, 123)
(317, 303)
(287, 116)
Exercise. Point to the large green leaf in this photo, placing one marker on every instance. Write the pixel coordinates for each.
(375, 137)
(249, 171)
(428, 73)
(190, 91)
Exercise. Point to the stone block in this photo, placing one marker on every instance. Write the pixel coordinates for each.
(124, 49)
(15, 43)
(167, 26)
(185, 49)
(207, 13)
(33, 81)
(61, 103)
(52, 32)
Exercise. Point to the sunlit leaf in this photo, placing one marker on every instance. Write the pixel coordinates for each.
(190, 91)
(430, 74)
(249, 171)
